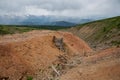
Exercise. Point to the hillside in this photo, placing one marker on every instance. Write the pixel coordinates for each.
(63, 23)
(58, 55)
(12, 29)
(100, 34)
(33, 53)
(55, 55)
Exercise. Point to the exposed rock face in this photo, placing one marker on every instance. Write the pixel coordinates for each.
(59, 43)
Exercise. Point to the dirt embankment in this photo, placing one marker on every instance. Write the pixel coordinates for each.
(99, 34)
(28, 54)
(35, 54)
(103, 65)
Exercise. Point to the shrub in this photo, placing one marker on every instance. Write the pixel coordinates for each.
(104, 29)
(29, 78)
(116, 43)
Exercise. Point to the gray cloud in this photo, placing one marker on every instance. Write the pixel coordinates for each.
(70, 8)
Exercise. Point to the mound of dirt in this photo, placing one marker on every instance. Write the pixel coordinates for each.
(104, 65)
(25, 54)
(107, 54)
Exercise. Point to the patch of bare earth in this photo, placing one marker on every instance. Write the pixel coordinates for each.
(55, 55)
(34, 54)
(103, 65)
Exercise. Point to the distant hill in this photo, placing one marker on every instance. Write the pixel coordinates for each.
(63, 23)
(12, 29)
(102, 33)
(41, 20)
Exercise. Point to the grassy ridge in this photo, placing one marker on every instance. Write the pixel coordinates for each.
(100, 32)
(11, 29)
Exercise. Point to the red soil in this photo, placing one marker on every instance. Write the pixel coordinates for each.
(104, 65)
(22, 54)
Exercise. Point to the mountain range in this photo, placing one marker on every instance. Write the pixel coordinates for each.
(41, 20)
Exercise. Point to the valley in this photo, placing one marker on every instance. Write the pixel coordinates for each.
(89, 51)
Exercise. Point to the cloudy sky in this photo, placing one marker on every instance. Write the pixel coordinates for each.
(69, 8)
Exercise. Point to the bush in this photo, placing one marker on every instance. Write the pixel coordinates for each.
(118, 26)
(29, 78)
(116, 43)
(3, 32)
(104, 29)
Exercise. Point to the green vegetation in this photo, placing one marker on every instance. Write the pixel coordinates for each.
(11, 29)
(116, 43)
(104, 29)
(100, 31)
(29, 78)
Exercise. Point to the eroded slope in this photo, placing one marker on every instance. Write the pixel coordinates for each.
(30, 54)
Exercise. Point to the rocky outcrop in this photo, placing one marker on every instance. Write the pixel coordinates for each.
(59, 43)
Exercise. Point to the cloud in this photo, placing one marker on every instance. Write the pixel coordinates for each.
(69, 8)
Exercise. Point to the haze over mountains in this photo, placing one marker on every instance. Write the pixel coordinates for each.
(41, 20)
(48, 12)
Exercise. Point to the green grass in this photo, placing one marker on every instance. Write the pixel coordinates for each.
(12, 29)
(100, 31)
(116, 43)
(104, 26)
(29, 78)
